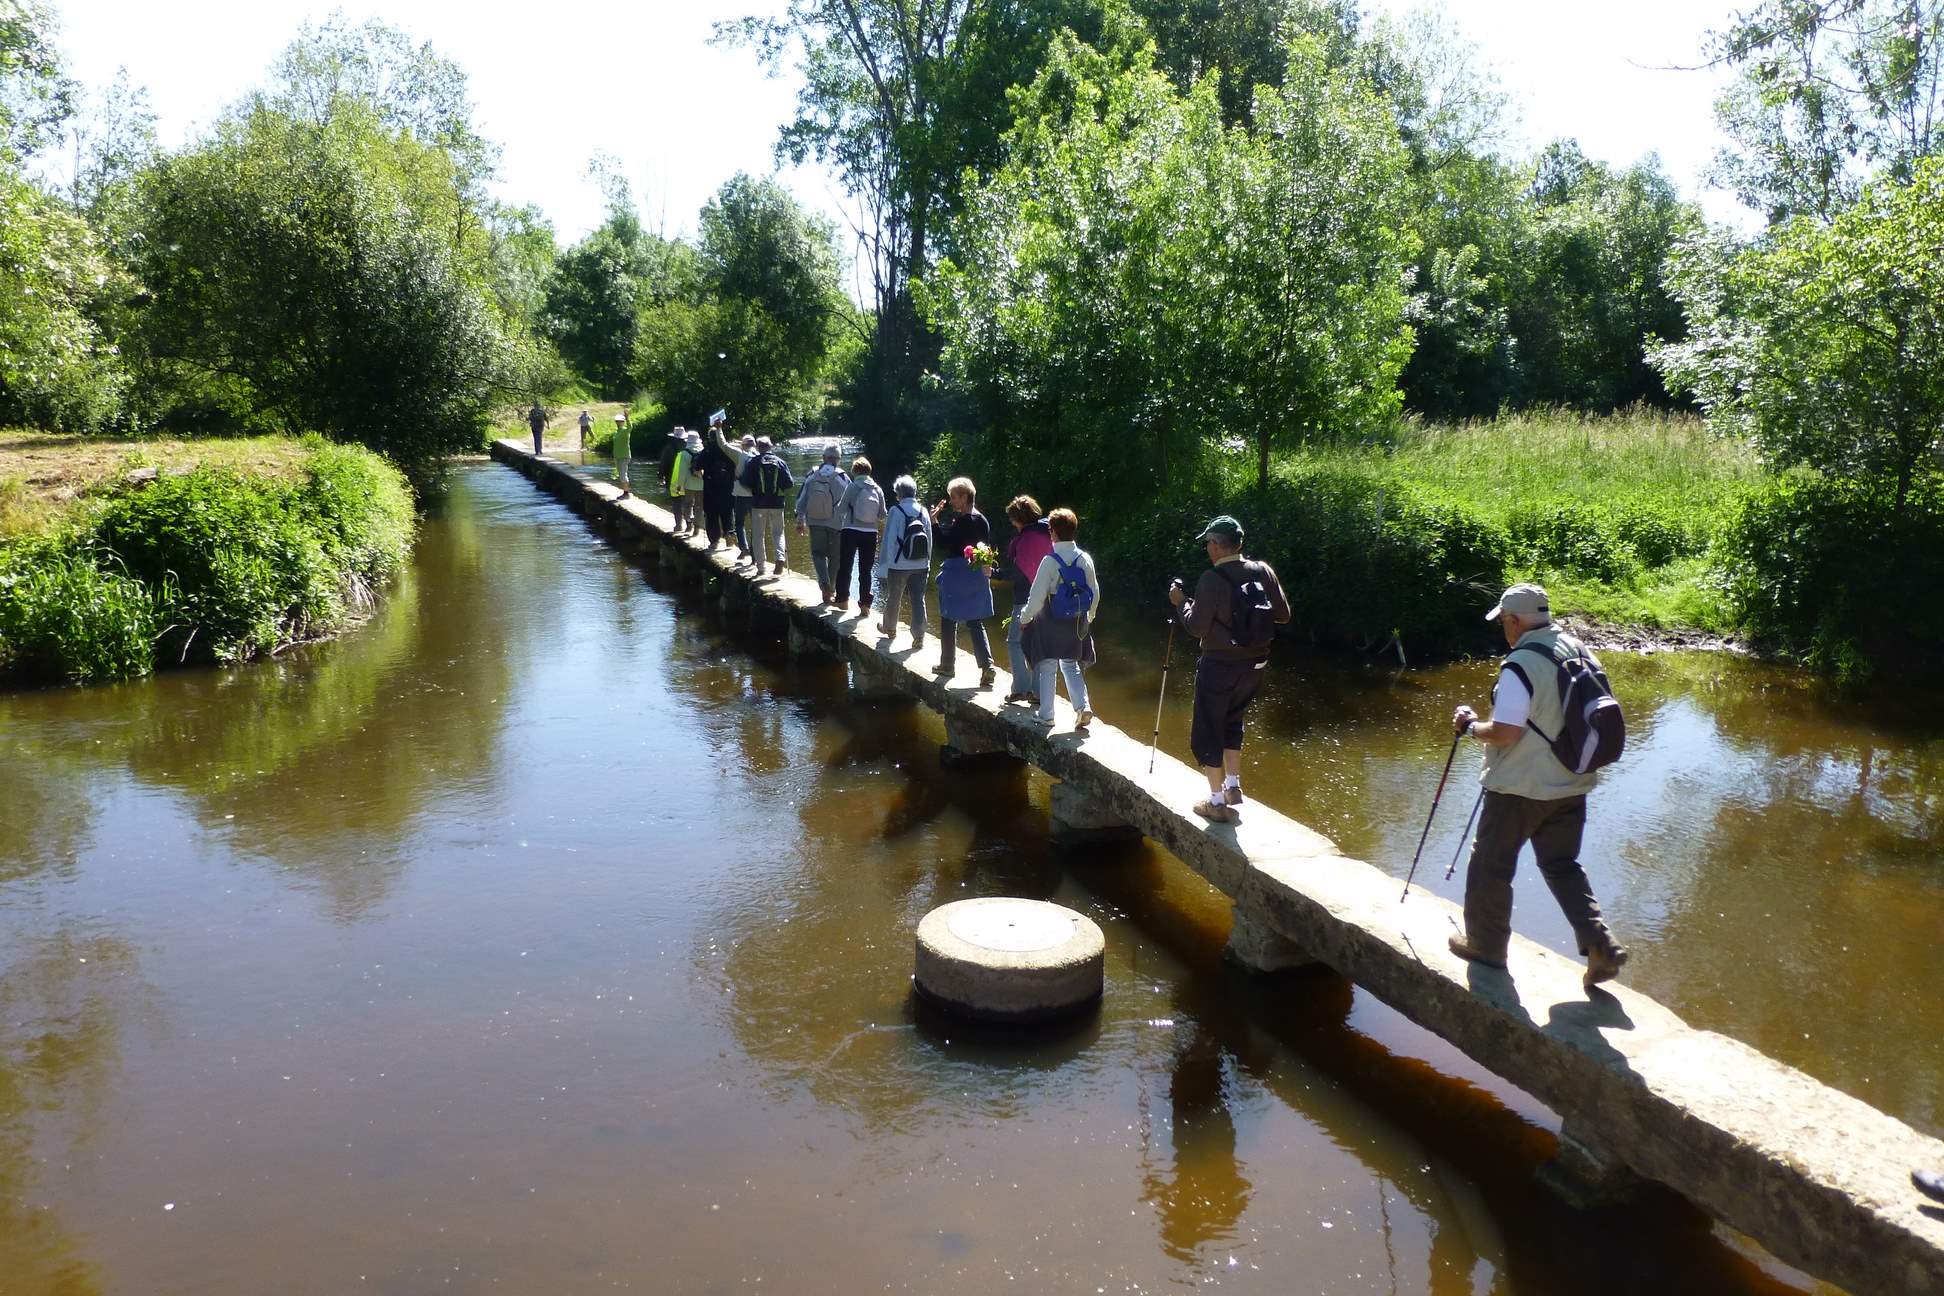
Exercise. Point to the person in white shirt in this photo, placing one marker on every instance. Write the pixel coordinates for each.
(1058, 619)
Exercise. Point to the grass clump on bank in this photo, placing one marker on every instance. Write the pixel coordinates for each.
(228, 560)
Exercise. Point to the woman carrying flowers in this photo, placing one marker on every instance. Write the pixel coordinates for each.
(964, 589)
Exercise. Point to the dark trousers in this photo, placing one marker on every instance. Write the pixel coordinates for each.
(742, 504)
(858, 547)
(536, 440)
(1505, 823)
(718, 513)
(948, 641)
(1224, 687)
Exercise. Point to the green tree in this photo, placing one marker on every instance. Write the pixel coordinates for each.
(292, 278)
(757, 332)
(35, 98)
(1825, 344)
(1828, 93)
(1142, 282)
(58, 368)
(602, 286)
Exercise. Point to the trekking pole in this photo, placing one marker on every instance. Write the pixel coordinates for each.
(1464, 836)
(1435, 798)
(1166, 661)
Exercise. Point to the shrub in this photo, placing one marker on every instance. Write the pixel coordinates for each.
(1832, 570)
(71, 614)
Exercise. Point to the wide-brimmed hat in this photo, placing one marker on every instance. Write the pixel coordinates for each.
(695, 441)
(1223, 528)
(1522, 600)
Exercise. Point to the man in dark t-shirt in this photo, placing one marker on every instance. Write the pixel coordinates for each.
(1231, 664)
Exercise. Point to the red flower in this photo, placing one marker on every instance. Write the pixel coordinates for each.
(968, 553)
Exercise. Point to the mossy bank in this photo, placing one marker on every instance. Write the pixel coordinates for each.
(117, 559)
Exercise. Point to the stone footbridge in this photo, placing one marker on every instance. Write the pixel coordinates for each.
(1817, 1177)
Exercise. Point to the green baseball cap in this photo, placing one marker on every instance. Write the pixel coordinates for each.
(1224, 528)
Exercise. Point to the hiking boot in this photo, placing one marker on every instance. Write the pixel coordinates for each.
(1082, 720)
(1215, 813)
(917, 642)
(1603, 963)
(842, 605)
(1464, 949)
(1929, 1182)
(944, 668)
(1231, 794)
(1021, 697)
(987, 675)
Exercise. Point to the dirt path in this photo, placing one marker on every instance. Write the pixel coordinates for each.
(563, 431)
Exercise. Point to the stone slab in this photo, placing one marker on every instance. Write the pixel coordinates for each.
(1817, 1177)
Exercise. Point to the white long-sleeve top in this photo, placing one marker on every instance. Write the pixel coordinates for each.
(1048, 574)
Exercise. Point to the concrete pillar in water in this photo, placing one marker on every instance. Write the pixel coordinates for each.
(803, 643)
(1261, 948)
(1080, 820)
(968, 747)
(1583, 1174)
(873, 681)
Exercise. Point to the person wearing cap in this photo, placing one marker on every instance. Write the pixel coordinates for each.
(739, 497)
(1230, 670)
(537, 420)
(619, 449)
(1530, 795)
(769, 481)
(818, 510)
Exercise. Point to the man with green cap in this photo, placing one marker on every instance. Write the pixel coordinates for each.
(1237, 606)
(1530, 794)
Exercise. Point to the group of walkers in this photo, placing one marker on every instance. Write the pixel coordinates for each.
(880, 545)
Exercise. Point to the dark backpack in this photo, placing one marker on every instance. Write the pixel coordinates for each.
(1595, 732)
(1072, 596)
(718, 469)
(1252, 613)
(913, 541)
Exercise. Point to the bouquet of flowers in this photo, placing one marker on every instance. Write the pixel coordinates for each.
(982, 556)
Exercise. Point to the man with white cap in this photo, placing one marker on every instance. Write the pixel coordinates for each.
(1530, 794)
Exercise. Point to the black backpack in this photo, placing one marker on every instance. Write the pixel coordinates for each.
(913, 540)
(1252, 613)
(1595, 732)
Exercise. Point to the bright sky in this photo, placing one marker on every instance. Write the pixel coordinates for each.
(558, 82)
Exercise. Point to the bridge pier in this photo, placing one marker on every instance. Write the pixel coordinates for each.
(732, 594)
(1586, 1176)
(969, 748)
(872, 682)
(1081, 820)
(1260, 948)
(802, 643)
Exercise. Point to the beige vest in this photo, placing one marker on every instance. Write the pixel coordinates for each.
(1528, 767)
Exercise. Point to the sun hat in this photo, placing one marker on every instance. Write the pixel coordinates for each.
(1522, 600)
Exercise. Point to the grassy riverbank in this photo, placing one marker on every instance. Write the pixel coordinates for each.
(1619, 515)
(120, 557)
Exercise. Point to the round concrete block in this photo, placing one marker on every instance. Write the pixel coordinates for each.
(1010, 960)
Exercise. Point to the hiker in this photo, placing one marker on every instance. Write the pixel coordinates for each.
(619, 448)
(1237, 606)
(1530, 795)
(904, 562)
(537, 420)
(1058, 616)
(678, 493)
(742, 452)
(586, 426)
(1031, 542)
(859, 515)
(673, 444)
(964, 592)
(719, 469)
(769, 481)
(816, 507)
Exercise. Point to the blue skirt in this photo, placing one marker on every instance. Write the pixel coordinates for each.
(964, 591)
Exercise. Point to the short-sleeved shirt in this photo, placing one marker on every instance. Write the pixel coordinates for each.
(1511, 700)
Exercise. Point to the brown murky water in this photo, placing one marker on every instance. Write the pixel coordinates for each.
(543, 937)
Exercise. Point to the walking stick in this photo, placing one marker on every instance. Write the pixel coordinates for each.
(1465, 835)
(1435, 798)
(1166, 662)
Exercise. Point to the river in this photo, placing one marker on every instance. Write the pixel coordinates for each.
(545, 935)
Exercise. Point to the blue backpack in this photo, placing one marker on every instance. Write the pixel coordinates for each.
(1072, 596)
